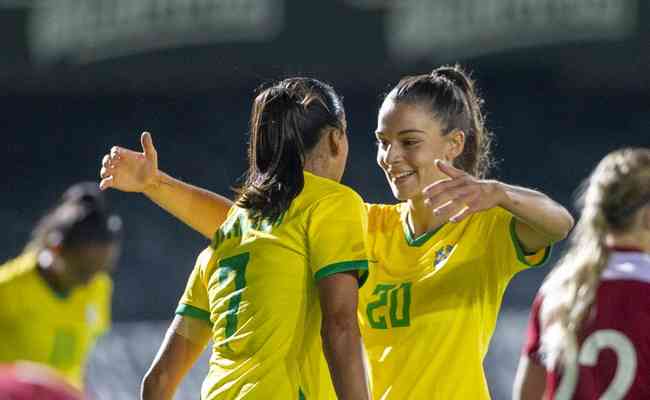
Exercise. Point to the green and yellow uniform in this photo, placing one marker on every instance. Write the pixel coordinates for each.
(256, 286)
(430, 304)
(41, 325)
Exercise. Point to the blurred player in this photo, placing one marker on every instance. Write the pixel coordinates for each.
(442, 257)
(588, 330)
(56, 295)
(286, 254)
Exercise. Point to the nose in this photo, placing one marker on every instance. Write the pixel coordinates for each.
(389, 155)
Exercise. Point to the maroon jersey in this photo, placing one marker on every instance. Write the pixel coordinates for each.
(614, 354)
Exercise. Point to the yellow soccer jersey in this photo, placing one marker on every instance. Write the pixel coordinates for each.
(40, 325)
(430, 304)
(256, 285)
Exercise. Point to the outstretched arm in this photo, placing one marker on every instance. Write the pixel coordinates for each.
(132, 171)
(541, 221)
(183, 344)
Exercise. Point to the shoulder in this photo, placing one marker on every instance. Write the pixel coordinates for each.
(492, 216)
(17, 268)
(384, 215)
(319, 189)
(102, 284)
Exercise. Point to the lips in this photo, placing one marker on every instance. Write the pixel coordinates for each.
(401, 176)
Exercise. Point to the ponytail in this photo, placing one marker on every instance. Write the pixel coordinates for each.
(611, 197)
(287, 121)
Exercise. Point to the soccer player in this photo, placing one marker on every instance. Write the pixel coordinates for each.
(441, 258)
(587, 336)
(56, 295)
(283, 268)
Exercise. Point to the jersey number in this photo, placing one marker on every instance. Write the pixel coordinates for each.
(237, 265)
(392, 296)
(588, 356)
(64, 349)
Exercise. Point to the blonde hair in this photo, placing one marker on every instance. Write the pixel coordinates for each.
(611, 198)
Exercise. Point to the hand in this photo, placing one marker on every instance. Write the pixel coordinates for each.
(461, 194)
(128, 170)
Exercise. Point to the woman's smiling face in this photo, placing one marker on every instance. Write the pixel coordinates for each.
(409, 140)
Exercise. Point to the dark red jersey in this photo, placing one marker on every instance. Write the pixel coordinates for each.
(614, 340)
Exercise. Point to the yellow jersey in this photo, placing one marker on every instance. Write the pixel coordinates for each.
(256, 286)
(41, 325)
(430, 304)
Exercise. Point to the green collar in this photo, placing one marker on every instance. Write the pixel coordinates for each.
(420, 240)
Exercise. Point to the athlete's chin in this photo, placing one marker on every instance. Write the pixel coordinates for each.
(403, 193)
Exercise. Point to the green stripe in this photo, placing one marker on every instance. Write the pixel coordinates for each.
(190, 311)
(363, 278)
(301, 395)
(420, 240)
(521, 253)
(341, 267)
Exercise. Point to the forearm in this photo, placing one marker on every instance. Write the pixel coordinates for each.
(156, 386)
(530, 380)
(200, 209)
(343, 350)
(548, 221)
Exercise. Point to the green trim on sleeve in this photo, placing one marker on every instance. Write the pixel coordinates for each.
(191, 311)
(340, 267)
(521, 253)
(363, 278)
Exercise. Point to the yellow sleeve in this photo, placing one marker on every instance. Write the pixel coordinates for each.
(194, 302)
(510, 255)
(336, 235)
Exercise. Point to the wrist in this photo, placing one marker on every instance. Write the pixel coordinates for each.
(499, 193)
(153, 187)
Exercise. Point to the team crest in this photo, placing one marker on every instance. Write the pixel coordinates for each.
(441, 256)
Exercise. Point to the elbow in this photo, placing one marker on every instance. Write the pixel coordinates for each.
(566, 225)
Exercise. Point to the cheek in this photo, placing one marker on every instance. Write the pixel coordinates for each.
(419, 157)
(380, 158)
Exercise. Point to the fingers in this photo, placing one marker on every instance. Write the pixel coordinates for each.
(147, 145)
(106, 183)
(442, 186)
(449, 170)
(454, 199)
(471, 206)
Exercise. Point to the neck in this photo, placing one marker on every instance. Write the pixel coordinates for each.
(421, 218)
(630, 240)
(46, 266)
(317, 167)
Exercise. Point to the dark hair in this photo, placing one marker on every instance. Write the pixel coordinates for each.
(287, 121)
(450, 95)
(81, 217)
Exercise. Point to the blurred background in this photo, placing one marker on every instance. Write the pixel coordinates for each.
(564, 82)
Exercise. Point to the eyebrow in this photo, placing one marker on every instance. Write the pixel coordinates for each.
(403, 131)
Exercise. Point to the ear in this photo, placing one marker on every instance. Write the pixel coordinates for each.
(455, 144)
(335, 138)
